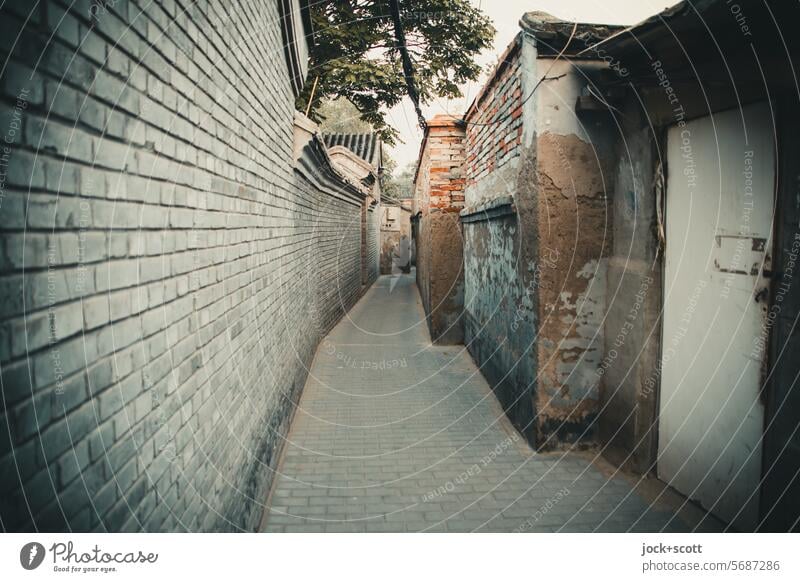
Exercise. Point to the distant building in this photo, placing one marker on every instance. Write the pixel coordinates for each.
(396, 244)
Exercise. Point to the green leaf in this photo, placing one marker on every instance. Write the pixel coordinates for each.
(354, 53)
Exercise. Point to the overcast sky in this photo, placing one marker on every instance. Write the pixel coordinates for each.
(506, 15)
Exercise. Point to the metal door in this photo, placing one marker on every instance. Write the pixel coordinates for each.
(719, 210)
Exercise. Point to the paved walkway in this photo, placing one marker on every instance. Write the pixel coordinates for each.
(393, 434)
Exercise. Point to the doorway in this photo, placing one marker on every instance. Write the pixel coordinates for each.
(719, 211)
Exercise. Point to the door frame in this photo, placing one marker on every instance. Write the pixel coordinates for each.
(784, 140)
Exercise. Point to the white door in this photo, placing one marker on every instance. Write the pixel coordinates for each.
(719, 203)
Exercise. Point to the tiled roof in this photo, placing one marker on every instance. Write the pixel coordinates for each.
(366, 146)
(315, 165)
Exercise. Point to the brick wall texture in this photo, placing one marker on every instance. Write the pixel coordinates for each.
(373, 259)
(165, 274)
(495, 120)
(370, 243)
(443, 173)
(439, 196)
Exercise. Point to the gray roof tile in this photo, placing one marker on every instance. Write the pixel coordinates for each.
(366, 146)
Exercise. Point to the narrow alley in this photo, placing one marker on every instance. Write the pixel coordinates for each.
(394, 434)
(399, 266)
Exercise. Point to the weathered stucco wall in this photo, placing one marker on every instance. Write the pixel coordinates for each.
(498, 302)
(537, 234)
(629, 369)
(445, 244)
(574, 238)
(498, 313)
(574, 161)
(439, 195)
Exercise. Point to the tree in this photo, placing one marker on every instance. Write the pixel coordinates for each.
(355, 53)
(341, 116)
(399, 186)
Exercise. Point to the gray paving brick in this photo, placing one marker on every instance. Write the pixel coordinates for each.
(404, 450)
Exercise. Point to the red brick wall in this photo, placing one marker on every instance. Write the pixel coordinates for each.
(494, 122)
(439, 196)
(444, 152)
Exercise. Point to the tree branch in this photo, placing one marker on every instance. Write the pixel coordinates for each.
(408, 66)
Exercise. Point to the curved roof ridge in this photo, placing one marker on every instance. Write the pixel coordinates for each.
(365, 145)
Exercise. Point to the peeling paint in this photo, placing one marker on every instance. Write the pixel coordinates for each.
(574, 220)
(535, 280)
(500, 315)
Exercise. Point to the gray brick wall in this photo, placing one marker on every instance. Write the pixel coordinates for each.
(373, 243)
(165, 276)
